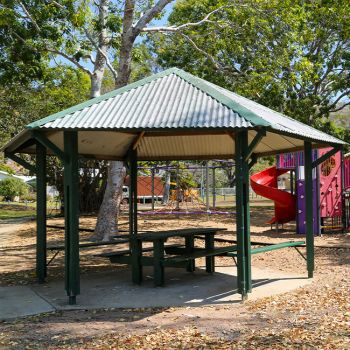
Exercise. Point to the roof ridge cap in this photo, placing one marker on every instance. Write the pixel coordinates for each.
(213, 92)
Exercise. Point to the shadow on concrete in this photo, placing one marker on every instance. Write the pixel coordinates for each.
(114, 289)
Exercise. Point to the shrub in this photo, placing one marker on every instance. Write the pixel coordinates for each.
(29, 197)
(12, 187)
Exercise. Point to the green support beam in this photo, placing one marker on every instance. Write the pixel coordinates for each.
(330, 153)
(71, 211)
(256, 140)
(253, 161)
(21, 161)
(41, 212)
(48, 144)
(310, 255)
(242, 215)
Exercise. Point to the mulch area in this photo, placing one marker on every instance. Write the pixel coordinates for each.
(316, 316)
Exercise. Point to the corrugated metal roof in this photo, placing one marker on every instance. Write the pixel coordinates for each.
(164, 102)
(184, 117)
(176, 99)
(279, 121)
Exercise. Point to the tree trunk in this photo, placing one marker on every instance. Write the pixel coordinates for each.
(108, 215)
(107, 223)
(107, 218)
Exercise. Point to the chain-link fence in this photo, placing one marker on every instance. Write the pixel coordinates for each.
(225, 193)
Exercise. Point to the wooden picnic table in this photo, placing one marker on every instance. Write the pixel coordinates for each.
(181, 256)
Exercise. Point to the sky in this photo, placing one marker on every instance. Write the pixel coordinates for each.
(158, 22)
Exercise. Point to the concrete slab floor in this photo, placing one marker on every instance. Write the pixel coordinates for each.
(19, 301)
(115, 290)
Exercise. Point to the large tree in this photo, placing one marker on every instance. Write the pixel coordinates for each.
(290, 55)
(93, 35)
(23, 102)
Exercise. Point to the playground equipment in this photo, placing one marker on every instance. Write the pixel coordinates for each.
(149, 189)
(264, 184)
(347, 188)
(330, 182)
(191, 187)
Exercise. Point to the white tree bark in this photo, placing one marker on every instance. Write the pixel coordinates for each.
(107, 216)
(107, 220)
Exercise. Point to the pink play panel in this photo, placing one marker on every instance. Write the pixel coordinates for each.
(330, 185)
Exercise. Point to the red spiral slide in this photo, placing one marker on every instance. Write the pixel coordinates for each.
(264, 184)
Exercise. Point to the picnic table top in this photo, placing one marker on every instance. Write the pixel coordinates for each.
(155, 235)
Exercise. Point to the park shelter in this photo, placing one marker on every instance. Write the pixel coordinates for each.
(167, 116)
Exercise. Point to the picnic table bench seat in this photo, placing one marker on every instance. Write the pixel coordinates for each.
(123, 256)
(202, 253)
(89, 244)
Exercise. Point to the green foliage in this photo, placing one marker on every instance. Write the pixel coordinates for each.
(262, 164)
(60, 88)
(292, 56)
(8, 169)
(13, 187)
(186, 178)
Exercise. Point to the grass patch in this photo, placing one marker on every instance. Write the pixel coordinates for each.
(12, 214)
(15, 210)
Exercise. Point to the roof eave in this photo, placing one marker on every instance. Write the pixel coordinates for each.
(17, 141)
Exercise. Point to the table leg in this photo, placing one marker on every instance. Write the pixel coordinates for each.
(136, 254)
(158, 255)
(209, 246)
(189, 242)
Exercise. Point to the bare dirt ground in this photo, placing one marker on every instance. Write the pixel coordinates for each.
(316, 316)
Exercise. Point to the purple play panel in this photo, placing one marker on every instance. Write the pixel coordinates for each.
(301, 207)
(296, 161)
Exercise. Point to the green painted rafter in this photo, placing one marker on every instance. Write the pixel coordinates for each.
(21, 162)
(48, 144)
(256, 140)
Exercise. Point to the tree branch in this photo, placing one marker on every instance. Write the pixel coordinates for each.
(150, 14)
(216, 63)
(108, 62)
(35, 24)
(69, 58)
(339, 108)
(57, 4)
(185, 25)
(335, 102)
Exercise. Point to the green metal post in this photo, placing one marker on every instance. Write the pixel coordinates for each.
(240, 211)
(158, 262)
(310, 256)
(71, 211)
(41, 212)
(247, 245)
(135, 247)
(189, 243)
(209, 260)
(134, 182)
